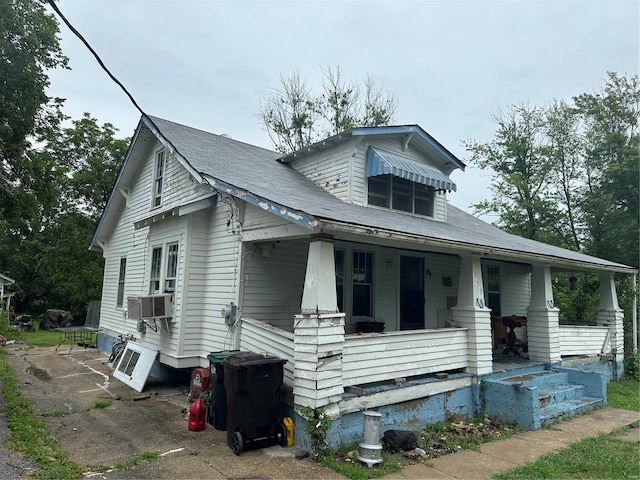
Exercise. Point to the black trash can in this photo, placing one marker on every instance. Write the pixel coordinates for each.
(217, 408)
(253, 385)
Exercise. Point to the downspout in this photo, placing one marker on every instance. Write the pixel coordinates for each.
(634, 316)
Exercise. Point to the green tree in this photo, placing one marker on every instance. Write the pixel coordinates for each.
(612, 164)
(91, 155)
(294, 117)
(29, 46)
(568, 174)
(518, 157)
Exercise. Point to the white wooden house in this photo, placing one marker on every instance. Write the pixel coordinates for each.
(295, 255)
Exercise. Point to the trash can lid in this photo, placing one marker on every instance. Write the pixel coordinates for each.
(218, 357)
(245, 359)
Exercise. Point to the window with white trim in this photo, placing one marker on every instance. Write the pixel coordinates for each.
(156, 270)
(397, 193)
(164, 280)
(158, 177)
(121, 277)
(172, 268)
(362, 284)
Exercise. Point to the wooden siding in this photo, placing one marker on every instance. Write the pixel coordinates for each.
(515, 285)
(587, 340)
(261, 337)
(221, 270)
(372, 358)
(330, 169)
(386, 272)
(436, 292)
(256, 217)
(272, 286)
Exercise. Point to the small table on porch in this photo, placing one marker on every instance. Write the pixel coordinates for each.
(511, 322)
(81, 335)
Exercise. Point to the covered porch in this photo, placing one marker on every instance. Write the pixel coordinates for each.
(333, 366)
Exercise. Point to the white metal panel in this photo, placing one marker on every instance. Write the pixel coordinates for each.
(134, 365)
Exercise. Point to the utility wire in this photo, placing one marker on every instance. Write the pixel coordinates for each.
(97, 57)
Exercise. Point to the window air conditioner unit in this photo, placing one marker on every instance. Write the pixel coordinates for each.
(133, 308)
(155, 306)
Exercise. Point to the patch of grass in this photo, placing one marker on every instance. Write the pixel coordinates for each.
(345, 462)
(55, 413)
(601, 457)
(29, 434)
(103, 404)
(138, 459)
(41, 338)
(624, 393)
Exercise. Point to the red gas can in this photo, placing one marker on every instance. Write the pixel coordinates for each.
(197, 415)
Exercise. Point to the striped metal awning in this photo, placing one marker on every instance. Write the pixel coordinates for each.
(382, 162)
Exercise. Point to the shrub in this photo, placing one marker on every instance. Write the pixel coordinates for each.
(632, 366)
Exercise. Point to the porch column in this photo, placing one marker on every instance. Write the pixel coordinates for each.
(543, 320)
(471, 313)
(319, 333)
(611, 315)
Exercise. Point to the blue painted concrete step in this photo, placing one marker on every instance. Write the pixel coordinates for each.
(538, 379)
(558, 393)
(573, 406)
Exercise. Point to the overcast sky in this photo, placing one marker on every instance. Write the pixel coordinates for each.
(450, 64)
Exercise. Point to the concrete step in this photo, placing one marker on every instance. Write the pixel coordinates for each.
(569, 407)
(540, 378)
(558, 393)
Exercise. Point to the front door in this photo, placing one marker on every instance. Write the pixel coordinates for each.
(411, 293)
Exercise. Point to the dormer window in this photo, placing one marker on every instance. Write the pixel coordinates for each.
(401, 194)
(158, 176)
(400, 182)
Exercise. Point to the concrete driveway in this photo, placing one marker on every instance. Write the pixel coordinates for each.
(55, 382)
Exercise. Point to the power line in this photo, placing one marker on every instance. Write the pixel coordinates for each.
(97, 57)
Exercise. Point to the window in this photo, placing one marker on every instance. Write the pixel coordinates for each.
(156, 270)
(172, 268)
(398, 193)
(339, 261)
(493, 290)
(362, 278)
(158, 175)
(121, 275)
(156, 279)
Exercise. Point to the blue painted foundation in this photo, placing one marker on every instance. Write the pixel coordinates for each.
(530, 396)
(409, 415)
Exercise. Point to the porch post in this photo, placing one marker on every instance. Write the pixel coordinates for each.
(611, 315)
(319, 333)
(470, 312)
(543, 319)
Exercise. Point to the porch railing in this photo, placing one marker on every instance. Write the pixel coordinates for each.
(583, 340)
(371, 358)
(261, 337)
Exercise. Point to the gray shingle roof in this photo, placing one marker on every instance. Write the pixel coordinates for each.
(256, 170)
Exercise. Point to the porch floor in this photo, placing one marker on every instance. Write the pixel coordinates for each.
(502, 362)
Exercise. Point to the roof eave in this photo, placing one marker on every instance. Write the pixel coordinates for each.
(470, 248)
